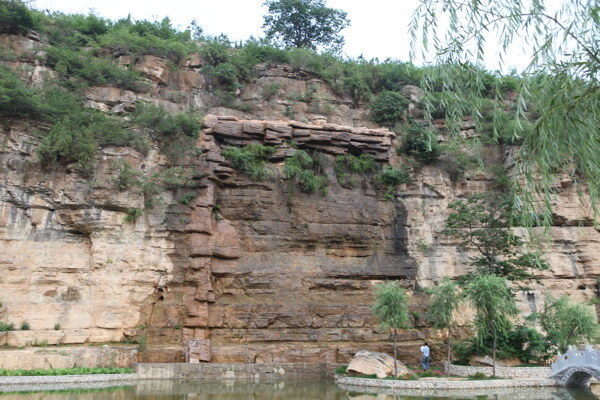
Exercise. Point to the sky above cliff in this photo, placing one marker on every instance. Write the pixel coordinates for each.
(379, 28)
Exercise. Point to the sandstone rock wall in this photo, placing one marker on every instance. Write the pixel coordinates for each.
(265, 272)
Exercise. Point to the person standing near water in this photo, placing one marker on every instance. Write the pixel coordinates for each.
(425, 356)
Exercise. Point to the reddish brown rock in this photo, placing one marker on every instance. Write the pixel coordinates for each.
(197, 350)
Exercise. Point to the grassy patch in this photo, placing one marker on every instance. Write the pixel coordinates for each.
(478, 376)
(341, 369)
(5, 327)
(65, 371)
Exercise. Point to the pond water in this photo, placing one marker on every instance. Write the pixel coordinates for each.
(276, 390)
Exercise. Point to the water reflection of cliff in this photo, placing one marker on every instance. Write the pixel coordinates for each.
(281, 390)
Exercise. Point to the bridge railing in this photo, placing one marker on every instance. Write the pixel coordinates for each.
(587, 357)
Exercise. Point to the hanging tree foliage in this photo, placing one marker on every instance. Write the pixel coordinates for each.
(562, 82)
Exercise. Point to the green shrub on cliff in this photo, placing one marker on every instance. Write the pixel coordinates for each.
(74, 31)
(5, 327)
(457, 159)
(389, 107)
(306, 171)
(127, 177)
(128, 41)
(362, 164)
(16, 17)
(16, 99)
(93, 70)
(125, 36)
(76, 135)
(165, 125)
(420, 143)
(347, 167)
(132, 215)
(390, 178)
(75, 139)
(76, 132)
(250, 159)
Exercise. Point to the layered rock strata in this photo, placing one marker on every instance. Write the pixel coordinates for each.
(242, 270)
(327, 138)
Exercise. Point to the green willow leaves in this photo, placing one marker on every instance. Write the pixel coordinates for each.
(559, 89)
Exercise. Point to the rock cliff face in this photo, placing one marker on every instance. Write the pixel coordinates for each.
(253, 271)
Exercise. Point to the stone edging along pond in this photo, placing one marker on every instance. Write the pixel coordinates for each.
(535, 377)
(443, 384)
(66, 379)
(503, 372)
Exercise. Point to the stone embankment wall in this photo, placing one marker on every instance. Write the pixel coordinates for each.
(265, 272)
(503, 372)
(482, 386)
(233, 371)
(68, 356)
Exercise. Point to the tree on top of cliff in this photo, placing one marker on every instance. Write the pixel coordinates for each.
(482, 222)
(305, 23)
(560, 86)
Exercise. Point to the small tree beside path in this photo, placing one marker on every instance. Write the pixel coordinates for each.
(445, 298)
(391, 307)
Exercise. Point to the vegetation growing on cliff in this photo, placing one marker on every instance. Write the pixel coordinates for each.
(306, 171)
(391, 178)
(482, 222)
(250, 159)
(83, 50)
(15, 17)
(417, 142)
(389, 108)
(349, 167)
(150, 185)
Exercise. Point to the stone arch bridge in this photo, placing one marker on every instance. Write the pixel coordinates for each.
(575, 368)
